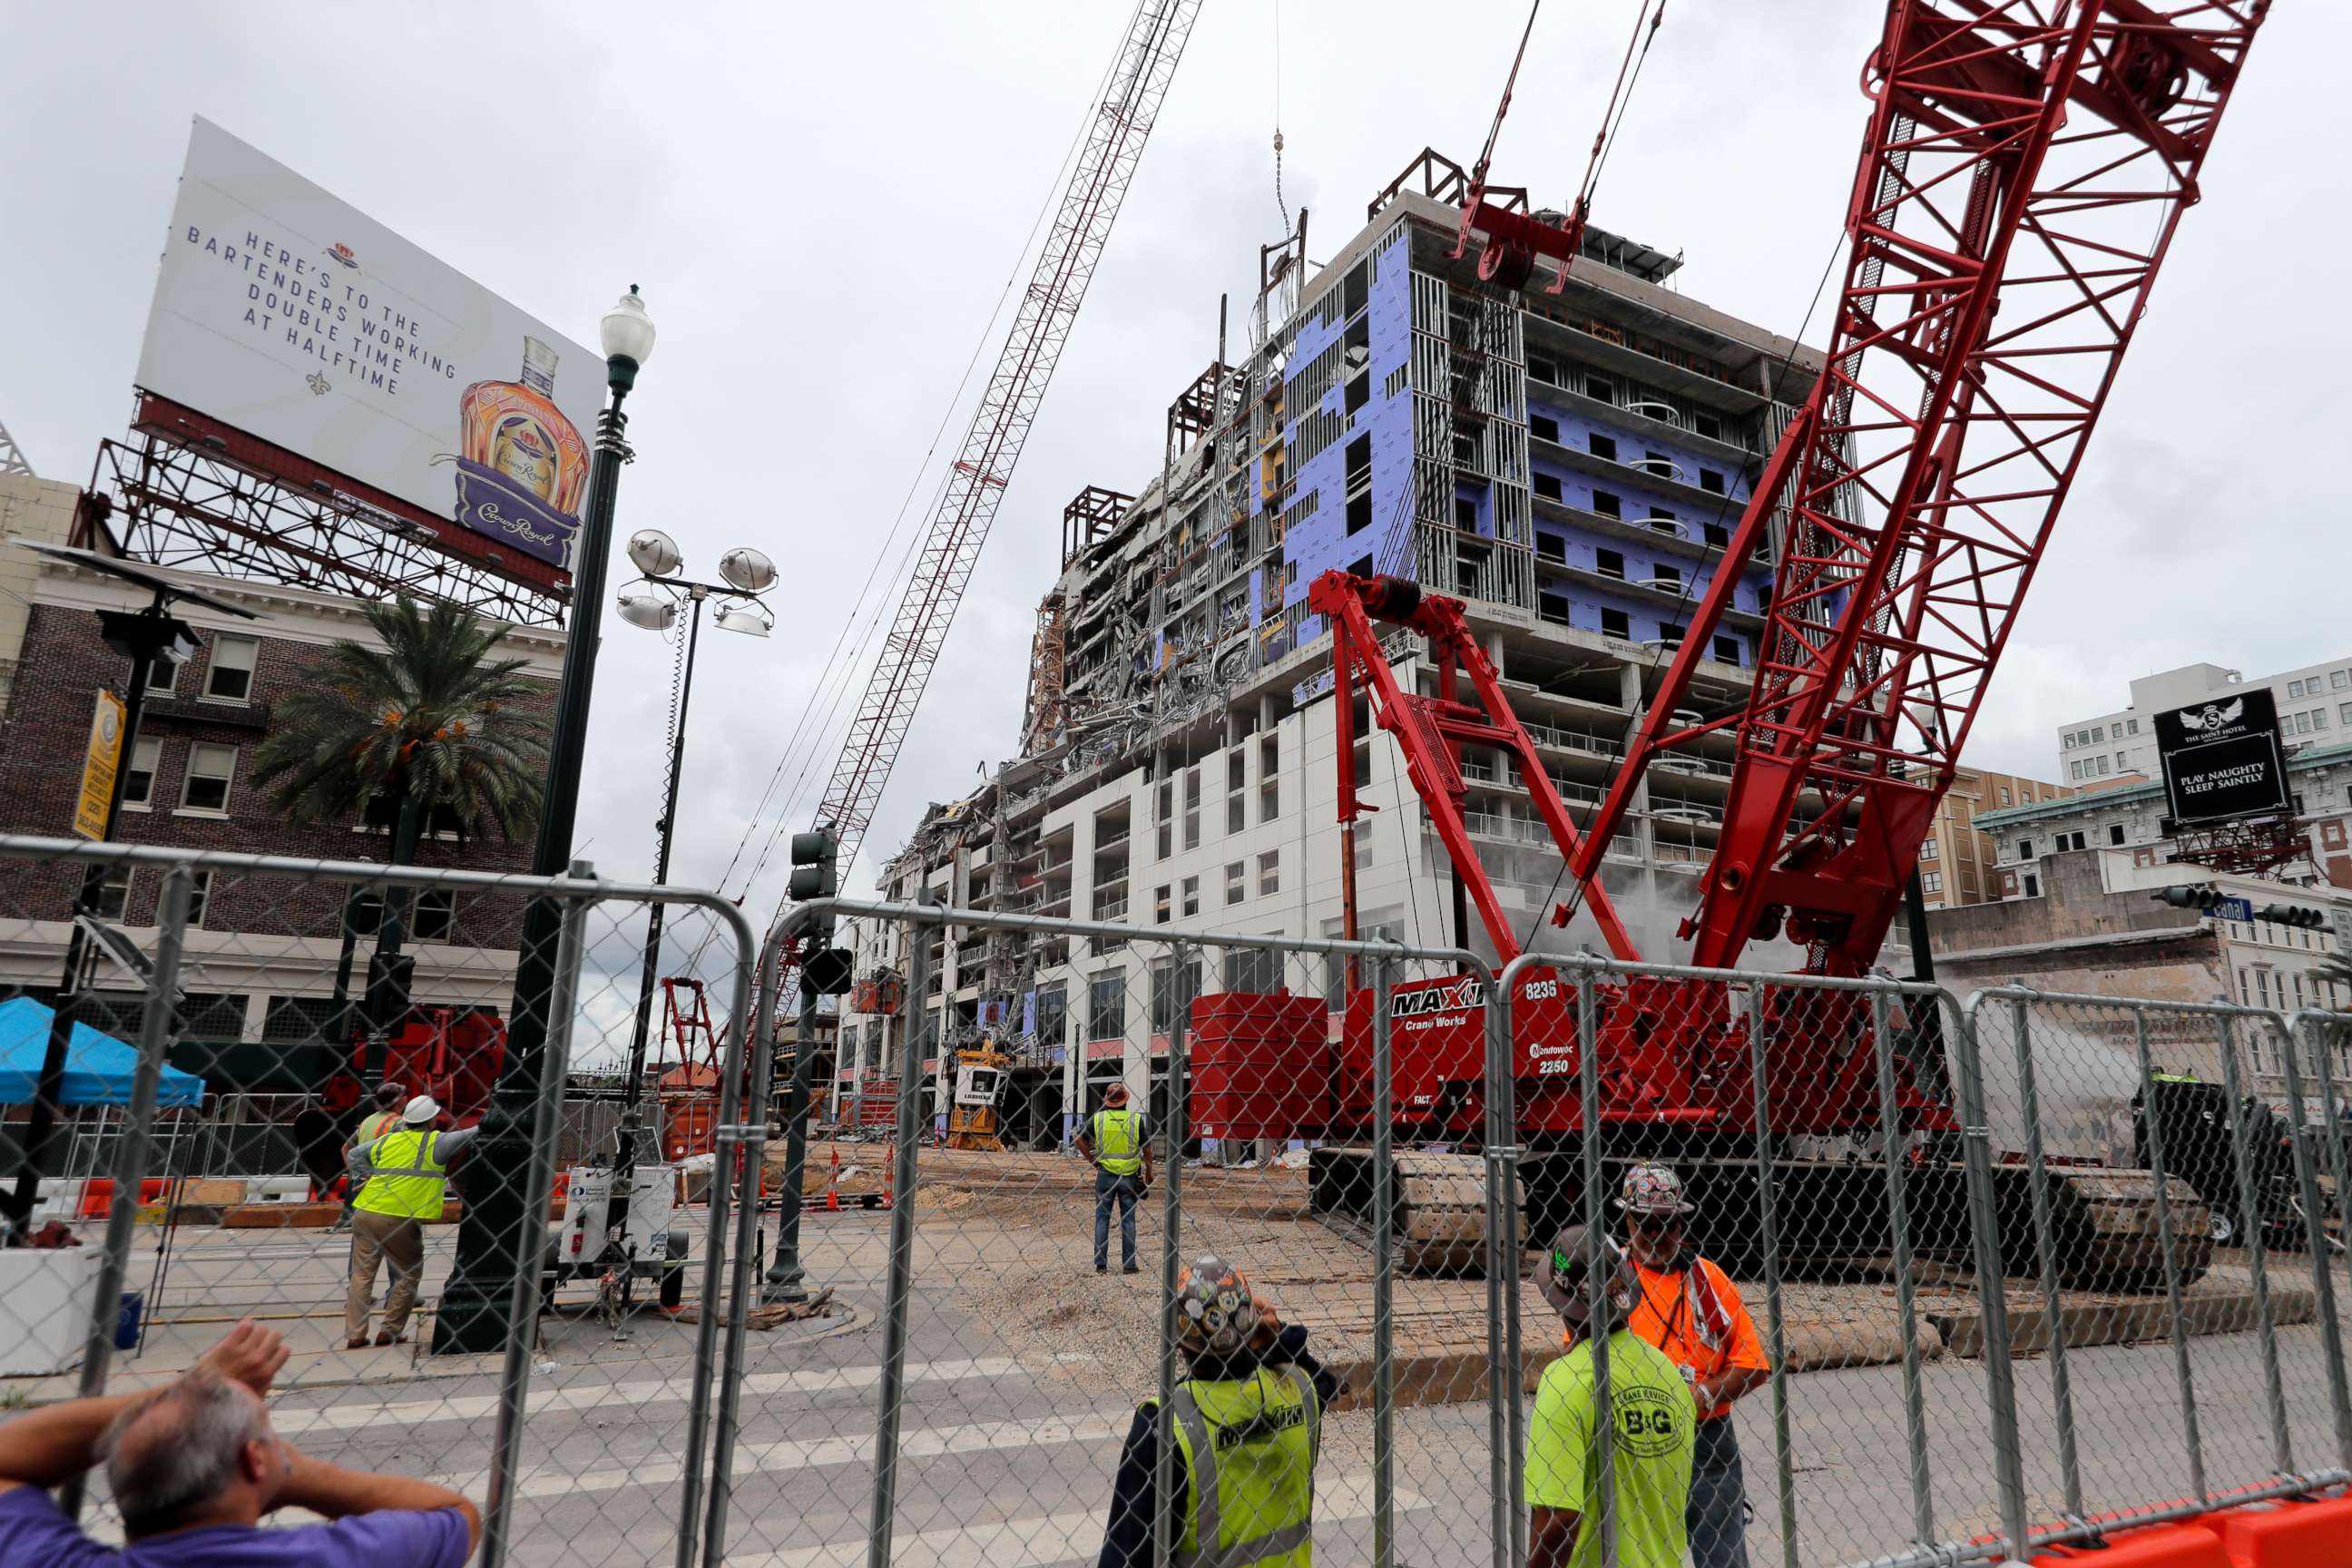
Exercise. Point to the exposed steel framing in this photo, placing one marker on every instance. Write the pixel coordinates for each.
(1090, 518)
(197, 494)
(2024, 168)
(1433, 174)
(974, 485)
(2261, 847)
(1047, 712)
(12, 456)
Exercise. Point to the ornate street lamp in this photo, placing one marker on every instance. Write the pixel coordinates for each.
(652, 603)
(478, 1298)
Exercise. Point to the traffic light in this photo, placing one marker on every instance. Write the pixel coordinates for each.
(2300, 916)
(391, 982)
(2204, 900)
(826, 970)
(815, 871)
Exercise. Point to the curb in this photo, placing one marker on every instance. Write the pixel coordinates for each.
(1459, 1376)
(2123, 1323)
(1450, 1377)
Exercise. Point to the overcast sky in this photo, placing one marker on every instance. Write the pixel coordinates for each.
(823, 206)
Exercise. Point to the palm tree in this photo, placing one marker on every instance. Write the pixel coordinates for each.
(2336, 967)
(428, 727)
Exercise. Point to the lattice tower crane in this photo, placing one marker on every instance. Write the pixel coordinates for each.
(1150, 49)
(12, 456)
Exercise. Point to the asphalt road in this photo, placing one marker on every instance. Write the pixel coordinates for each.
(1006, 1459)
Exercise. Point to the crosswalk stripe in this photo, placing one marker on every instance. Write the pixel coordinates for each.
(582, 1397)
(786, 1455)
(1041, 1541)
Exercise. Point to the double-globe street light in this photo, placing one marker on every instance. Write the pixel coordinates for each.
(652, 603)
(478, 1301)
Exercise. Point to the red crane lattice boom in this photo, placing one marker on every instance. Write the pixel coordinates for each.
(2019, 185)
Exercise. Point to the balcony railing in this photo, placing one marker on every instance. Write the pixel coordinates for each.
(1569, 740)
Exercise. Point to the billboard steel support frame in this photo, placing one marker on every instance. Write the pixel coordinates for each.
(176, 505)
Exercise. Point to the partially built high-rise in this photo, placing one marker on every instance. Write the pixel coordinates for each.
(1569, 464)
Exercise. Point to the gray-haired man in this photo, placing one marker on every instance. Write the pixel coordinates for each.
(194, 1467)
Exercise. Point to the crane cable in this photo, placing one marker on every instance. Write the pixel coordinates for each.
(802, 736)
(1503, 107)
(1280, 205)
(1621, 97)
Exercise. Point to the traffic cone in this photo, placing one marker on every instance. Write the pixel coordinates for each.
(833, 1184)
(890, 1174)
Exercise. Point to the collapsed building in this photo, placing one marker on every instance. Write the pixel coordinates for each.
(1568, 463)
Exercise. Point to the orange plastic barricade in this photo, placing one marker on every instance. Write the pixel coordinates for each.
(2186, 1545)
(2286, 1534)
(98, 1194)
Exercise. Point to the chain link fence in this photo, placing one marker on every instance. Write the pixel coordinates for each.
(2196, 1296)
(1947, 1277)
(235, 1043)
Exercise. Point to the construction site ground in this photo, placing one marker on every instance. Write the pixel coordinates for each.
(1030, 1217)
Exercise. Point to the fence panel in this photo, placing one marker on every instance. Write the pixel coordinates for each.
(562, 1395)
(1813, 1270)
(2150, 1192)
(999, 1384)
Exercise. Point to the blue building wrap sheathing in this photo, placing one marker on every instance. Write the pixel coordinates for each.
(1320, 541)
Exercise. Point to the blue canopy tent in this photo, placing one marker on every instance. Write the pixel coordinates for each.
(99, 1068)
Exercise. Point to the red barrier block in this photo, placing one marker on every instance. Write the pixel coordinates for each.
(2188, 1545)
(2285, 1534)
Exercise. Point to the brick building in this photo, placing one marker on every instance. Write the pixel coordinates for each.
(1957, 858)
(2132, 814)
(263, 953)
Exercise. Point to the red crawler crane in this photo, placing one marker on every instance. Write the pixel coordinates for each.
(2023, 170)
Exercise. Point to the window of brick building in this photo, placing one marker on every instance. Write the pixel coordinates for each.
(211, 770)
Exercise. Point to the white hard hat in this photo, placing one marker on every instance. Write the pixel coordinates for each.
(421, 1109)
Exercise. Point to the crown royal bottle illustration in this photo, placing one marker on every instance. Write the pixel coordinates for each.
(521, 465)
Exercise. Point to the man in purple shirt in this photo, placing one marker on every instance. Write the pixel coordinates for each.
(194, 1467)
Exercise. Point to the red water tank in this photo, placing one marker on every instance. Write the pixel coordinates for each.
(1261, 1065)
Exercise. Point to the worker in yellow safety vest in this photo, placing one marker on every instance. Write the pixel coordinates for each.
(383, 1119)
(1246, 1419)
(407, 1179)
(1118, 1142)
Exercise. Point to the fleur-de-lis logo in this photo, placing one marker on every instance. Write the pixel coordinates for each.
(319, 384)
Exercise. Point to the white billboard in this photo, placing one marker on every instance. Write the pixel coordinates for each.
(293, 317)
